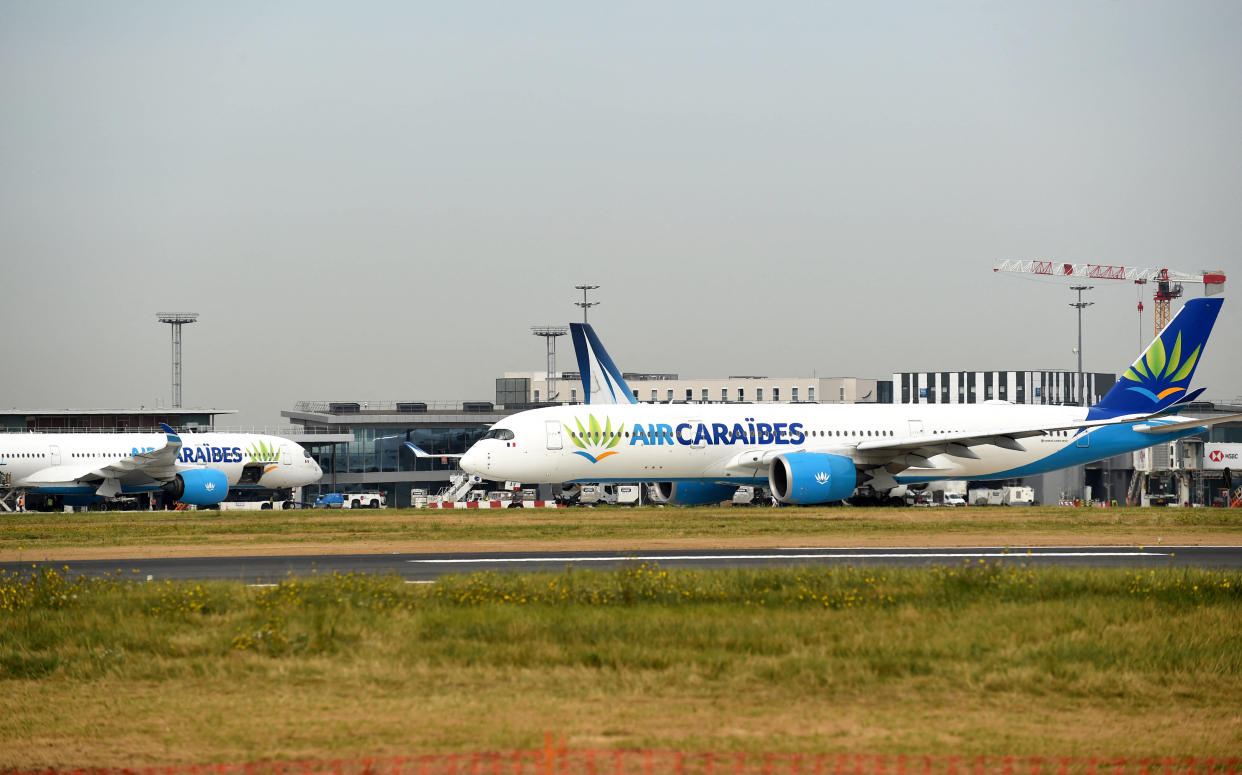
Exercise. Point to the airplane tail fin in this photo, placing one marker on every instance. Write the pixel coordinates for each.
(602, 382)
(1161, 376)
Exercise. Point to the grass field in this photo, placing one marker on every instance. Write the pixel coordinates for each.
(128, 534)
(970, 659)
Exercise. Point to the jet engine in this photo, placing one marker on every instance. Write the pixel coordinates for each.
(692, 493)
(199, 487)
(812, 477)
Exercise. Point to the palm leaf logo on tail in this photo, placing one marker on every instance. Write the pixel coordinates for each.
(1157, 372)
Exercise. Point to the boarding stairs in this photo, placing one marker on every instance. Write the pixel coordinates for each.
(459, 485)
(1136, 489)
(10, 497)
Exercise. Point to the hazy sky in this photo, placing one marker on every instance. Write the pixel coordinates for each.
(375, 201)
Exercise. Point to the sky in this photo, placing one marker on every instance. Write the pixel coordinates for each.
(376, 201)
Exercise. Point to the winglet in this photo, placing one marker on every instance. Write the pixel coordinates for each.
(170, 433)
(602, 382)
(1161, 376)
(420, 452)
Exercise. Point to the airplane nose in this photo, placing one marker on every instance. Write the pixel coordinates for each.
(472, 461)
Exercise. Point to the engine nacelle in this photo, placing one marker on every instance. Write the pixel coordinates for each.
(812, 477)
(199, 487)
(692, 493)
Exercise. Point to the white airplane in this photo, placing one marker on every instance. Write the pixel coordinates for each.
(821, 453)
(194, 468)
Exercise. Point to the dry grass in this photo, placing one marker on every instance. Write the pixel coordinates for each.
(117, 535)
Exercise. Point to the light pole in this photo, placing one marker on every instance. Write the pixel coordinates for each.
(550, 333)
(586, 305)
(176, 320)
(1082, 382)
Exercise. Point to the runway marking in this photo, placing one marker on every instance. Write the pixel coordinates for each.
(815, 556)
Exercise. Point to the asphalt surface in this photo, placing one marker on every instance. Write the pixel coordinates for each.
(428, 567)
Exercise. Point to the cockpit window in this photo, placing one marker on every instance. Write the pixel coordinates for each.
(503, 434)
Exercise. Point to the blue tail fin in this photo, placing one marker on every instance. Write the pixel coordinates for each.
(602, 382)
(1161, 375)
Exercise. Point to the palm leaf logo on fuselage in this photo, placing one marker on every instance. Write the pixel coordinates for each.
(1156, 371)
(264, 453)
(594, 442)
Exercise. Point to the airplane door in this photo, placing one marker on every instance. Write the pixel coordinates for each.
(286, 456)
(916, 427)
(554, 434)
(54, 454)
(1084, 441)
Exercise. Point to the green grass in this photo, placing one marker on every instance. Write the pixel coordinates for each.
(839, 525)
(972, 659)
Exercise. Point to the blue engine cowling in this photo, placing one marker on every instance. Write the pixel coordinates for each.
(693, 493)
(199, 487)
(812, 477)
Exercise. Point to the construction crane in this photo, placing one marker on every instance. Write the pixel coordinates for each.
(1168, 281)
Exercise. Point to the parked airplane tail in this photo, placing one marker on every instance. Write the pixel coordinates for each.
(602, 382)
(1161, 376)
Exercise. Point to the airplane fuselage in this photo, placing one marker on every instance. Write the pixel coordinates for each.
(247, 460)
(730, 442)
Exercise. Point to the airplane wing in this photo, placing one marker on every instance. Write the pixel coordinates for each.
(902, 452)
(158, 464)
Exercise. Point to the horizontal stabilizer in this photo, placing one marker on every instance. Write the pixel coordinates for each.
(1170, 427)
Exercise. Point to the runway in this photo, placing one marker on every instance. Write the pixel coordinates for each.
(428, 567)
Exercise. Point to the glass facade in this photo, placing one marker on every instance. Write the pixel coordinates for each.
(376, 450)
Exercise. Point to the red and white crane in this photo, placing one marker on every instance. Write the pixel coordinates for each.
(1168, 281)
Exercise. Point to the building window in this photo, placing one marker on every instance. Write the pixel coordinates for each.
(705, 398)
(793, 395)
(653, 396)
(724, 395)
(573, 395)
(759, 394)
(741, 394)
(841, 394)
(810, 394)
(669, 394)
(944, 387)
(776, 394)
(536, 396)
(689, 395)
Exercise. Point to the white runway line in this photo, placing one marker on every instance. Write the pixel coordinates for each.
(815, 556)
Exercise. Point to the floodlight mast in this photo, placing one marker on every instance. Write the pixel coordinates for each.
(1082, 379)
(176, 320)
(586, 305)
(550, 333)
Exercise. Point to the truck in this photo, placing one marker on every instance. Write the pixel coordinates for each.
(592, 494)
(351, 500)
(1001, 496)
